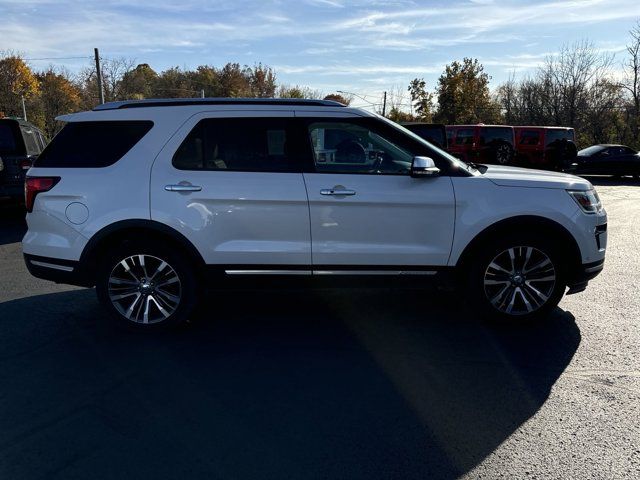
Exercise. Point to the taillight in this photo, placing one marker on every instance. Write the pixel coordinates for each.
(34, 185)
(26, 164)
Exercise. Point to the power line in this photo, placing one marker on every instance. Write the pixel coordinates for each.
(56, 58)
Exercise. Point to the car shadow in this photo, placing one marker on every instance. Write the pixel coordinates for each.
(270, 384)
(603, 180)
(12, 223)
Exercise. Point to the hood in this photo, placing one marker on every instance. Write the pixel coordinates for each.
(526, 177)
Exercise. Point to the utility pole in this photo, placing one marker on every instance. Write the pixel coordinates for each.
(99, 76)
(24, 109)
(384, 104)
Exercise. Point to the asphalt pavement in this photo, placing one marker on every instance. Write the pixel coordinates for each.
(324, 383)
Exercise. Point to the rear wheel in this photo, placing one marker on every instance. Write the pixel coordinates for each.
(516, 279)
(504, 154)
(146, 286)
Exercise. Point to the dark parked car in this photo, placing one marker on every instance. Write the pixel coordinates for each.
(551, 148)
(481, 143)
(617, 160)
(434, 133)
(20, 145)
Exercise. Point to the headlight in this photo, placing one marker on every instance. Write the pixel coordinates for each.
(587, 199)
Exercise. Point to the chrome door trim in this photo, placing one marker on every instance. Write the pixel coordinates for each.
(268, 272)
(64, 268)
(326, 272)
(374, 272)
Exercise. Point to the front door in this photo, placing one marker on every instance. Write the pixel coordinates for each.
(366, 210)
(234, 188)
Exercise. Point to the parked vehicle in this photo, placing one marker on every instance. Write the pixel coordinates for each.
(20, 144)
(151, 200)
(549, 148)
(481, 143)
(616, 160)
(434, 133)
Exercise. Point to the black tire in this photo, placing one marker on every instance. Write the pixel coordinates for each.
(162, 309)
(504, 154)
(480, 272)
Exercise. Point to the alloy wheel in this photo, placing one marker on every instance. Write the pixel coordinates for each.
(503, 154)
(144, 289)
(519, 280)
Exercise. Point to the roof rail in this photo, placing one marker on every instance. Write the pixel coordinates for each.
(176, 102)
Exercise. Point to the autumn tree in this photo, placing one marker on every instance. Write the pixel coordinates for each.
(205, 77)
(262, 81)
(463, 94)
(421, 99)
(297, 91)
(138, 83)
(336, 97)
(174, 83)
(58, 96)
(16, 81)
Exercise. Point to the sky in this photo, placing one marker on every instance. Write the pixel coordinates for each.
(364, 47)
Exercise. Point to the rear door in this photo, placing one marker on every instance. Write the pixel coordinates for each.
(464, 143)
(367, 212)
(529, 145)
(12, 153)
(232, 185)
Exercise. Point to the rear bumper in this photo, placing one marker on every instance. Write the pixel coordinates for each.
(57, 270)
(15, 191)
(579, 279)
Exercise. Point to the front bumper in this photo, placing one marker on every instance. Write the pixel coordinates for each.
(579, 279)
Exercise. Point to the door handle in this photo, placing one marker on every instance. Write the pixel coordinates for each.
(337, 193)
(182, 188)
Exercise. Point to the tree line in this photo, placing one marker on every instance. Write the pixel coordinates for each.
(578, 87)
(54, 92)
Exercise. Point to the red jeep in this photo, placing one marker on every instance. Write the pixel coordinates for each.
(481, 143)
(551, 148)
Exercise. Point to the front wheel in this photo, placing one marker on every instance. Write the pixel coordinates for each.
(147, 287)
(516, 279)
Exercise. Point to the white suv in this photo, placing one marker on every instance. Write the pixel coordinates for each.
(151, 200)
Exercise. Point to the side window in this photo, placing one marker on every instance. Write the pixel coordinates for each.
(356, 147)
(464, 136)
(237, 144)
(449, 136)
(92, 144)
(30, 141)
(529, 137)
(496, 135)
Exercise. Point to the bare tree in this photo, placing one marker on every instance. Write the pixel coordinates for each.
(631, 83)
(570, 75)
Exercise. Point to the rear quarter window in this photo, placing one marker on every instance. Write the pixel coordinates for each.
(8, 144)
(92, 144)
(31, 141)
(553, 136)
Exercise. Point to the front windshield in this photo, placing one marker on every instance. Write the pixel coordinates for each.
(591, 150)
(455, 161)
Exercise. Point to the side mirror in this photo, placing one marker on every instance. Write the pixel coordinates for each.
(424, 167)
